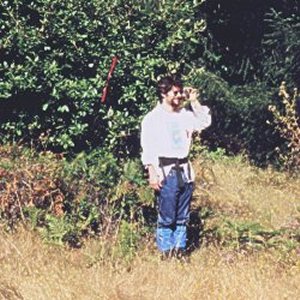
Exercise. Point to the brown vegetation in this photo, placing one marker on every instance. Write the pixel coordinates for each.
(27, 182)
(237, 262)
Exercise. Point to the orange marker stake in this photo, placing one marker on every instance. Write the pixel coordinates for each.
(113, 65)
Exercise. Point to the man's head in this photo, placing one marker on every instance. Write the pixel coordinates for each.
(170, 92)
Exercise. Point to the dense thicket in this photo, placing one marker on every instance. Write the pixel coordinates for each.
(255, 39)
(257, 45)
(55, 55)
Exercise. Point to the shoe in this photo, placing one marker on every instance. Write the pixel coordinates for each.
(166, 255)
(181, 255)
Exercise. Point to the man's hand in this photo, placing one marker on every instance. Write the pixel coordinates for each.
(154, 180)
(191, 94)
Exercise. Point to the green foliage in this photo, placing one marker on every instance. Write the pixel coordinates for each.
(128, 238)
(98, 168)
(240, 234)
(83, 220)
(244, 235)
(257, 45)
(132, 193)
(288, 125)
(68, 200)
(235, 27)
(86, 217)
(55, 56)
(132, 172)
(57, 230)
(254, 40)
(281, 46)
(239, 115)
(218, 155)
(35, 216)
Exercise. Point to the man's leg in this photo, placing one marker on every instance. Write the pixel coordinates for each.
(183, 209)
(167, 206)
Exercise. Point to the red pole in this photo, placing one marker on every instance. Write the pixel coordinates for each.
(113, 65)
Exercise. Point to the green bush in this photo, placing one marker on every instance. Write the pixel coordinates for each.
(68, 200)
(98, 168)
(288, 125)
(239, 115)
(55, 56)
(281, 44)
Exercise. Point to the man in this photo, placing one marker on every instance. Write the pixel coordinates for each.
(166, 135)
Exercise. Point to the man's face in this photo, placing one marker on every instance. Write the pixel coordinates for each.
(174, 97)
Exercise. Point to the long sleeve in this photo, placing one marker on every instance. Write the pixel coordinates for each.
(149, 140)
(202, 116)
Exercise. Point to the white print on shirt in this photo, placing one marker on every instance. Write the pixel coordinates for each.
(175, 133)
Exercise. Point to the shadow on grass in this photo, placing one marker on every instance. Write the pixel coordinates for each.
(194, 229)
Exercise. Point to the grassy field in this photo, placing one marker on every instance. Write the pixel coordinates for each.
(248, 249)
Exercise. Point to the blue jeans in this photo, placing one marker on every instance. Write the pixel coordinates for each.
(173, 213)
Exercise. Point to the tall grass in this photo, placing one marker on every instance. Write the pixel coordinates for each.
(249, 248)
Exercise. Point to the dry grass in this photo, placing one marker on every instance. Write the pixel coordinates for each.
(241, 190)
(33, 270)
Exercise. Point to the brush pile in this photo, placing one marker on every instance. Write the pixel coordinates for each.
(27, 180)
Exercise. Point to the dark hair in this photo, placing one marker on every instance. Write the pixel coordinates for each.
(165, 84)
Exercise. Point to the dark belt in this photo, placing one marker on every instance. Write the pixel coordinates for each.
(167, 161)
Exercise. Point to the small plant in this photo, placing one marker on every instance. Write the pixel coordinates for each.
(132, 192)
(217, 155)
(287, 124)
(35, 216)
(242, 235)
(197, 148)
(128, 238)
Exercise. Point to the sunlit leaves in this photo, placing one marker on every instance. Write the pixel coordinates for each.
(60, 51)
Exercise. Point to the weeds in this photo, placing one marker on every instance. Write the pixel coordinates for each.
(128, 238)
(241, 235)
(67, 201)
(244, 237)
(28, 179)
(287, 124)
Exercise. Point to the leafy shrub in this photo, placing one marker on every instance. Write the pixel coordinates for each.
(281, 48)
(55, 56)
(288, 125)
(68, 228)
(28, 179)
(132, 194)
(239, 115)
(263, 59)
(34, 187)
(69, 200)
(128, 237)
(97, 168)
(243, 235)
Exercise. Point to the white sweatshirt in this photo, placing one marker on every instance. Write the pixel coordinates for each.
(169, 134)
